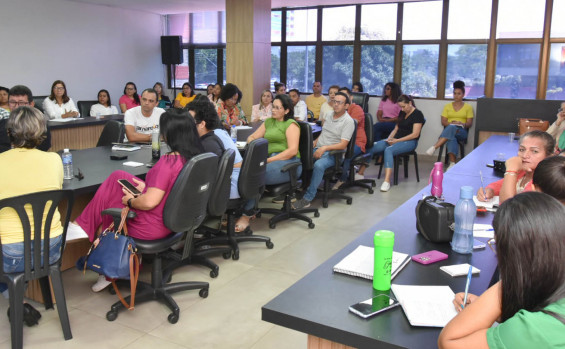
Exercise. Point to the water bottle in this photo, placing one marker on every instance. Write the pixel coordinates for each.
(384, 242)
(465, 212)
(436, 177)
(155, 145)
(67, 164)
(233, 133)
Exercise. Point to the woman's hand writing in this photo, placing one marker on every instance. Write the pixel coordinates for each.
(459, 297)
(485, 194)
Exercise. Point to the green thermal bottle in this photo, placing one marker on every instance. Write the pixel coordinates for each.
(384, 243)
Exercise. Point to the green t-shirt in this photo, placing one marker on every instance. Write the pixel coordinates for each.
(275, 133)
(530, 330)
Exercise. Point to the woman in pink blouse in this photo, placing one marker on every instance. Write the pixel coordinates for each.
(263, 110)
(130, 97)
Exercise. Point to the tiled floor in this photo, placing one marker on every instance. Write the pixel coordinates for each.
(231, 315)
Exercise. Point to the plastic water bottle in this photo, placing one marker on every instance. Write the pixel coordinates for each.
(437, 179)
(384, 242)
(465, 213)
(67, 164)
(233, 133)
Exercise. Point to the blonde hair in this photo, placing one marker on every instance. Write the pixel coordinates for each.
(27, 127)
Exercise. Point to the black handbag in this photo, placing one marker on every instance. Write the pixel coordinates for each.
(435, 220)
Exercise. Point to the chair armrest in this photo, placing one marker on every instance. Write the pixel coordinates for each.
(292, 170)
(338, 154)
(116, 214)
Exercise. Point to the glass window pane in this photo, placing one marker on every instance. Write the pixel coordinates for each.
(556, 81)
(337, 65)
(422, 20)
(205, 27)
(276, 26)
(223, 27)
(557, 22)
(224, 66)
(377, 67)
(516, 73)
(378, 22)
(299, 74)
(419, 70)
(520, 18)
(275, 65)
(338, 23)
(467, 63)
(181, 71)
(205, 67)
(178, 25)
(469, 19)
(301, 25)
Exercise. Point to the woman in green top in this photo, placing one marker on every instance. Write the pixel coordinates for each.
(283, 134)
(529, 299)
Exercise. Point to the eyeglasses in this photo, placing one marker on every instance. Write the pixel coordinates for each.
(58, 88)
(339, 102)
(130, 88)
(277, 108)
(79, 175)
(17, 103)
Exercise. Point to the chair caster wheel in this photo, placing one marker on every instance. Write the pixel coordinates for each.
(371, 191)
(111, 315)
(235, 255)
(349, 201)
(248, 231)
(226, 255)
(325, 204)
(311, 225)
(203, 293)
(272, 225)
(173, 318)
(270, 245)
(169, 278)
(214, 273)
(373, 184)
(316, 214)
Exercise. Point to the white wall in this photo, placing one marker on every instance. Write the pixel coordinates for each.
(89, 47)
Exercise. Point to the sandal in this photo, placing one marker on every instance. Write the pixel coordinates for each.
(241, 228)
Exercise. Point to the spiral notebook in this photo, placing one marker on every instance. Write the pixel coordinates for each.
(360, 263)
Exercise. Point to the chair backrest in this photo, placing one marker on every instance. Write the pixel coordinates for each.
(305, 146)
(351, 145)
(113, 132)
(251, 183)
(84, 107)
(37, 203)
(362, 99)
(369, 130)
(38, 100)
(218, 201)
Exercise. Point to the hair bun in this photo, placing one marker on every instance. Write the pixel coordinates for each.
(459, 84)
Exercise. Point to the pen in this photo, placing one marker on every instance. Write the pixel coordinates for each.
(469, 275)
(483, 184)
(491, 229)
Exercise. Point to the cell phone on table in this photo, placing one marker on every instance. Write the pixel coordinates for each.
(373, 306)
(129, 187)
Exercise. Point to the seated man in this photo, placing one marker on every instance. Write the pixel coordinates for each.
(142, 120)
(336, 134)
(300, 109)
(315, 100)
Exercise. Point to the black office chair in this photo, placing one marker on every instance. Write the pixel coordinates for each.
(184, 211)
(38, 100)
(289, 189)
(361, 99)
(362, 159)
(37, 264)
(113, 132)
(461, 144)
(84, 107)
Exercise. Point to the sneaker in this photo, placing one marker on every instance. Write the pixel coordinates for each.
(359, 176)
(431, 150)
(302, 203)
(101, 284)
(280, 199)
(385, 186)
(337, 185)
(451, 164)
(75, 231)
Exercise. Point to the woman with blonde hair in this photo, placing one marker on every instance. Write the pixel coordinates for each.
(263, 110)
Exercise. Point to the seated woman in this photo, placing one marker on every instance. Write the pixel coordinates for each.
(327, 109)
(179, 132)
(280, 88)
(387, 114)
(24, 170)
(456, 117)
(164, 100)
(283, 134)
(58, 105)
(549, 177)
(228, 108)
(557, 130)
(214, 97)
(534, 147)
(357, 87)
(263, 110)
(4, 106)
(130, 98)
(185, 96)
(104, 105)
(209, 89)
(529, 300)
(403, 138)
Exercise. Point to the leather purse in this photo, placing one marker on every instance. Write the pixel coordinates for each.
(435, 219)
(526, 125)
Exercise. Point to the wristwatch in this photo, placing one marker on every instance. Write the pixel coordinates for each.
(129, 202)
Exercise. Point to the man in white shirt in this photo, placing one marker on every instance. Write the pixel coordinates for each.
(300, 109)
(141, 121)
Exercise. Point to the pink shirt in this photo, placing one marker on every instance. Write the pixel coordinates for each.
(496, 186)
(389, 109)
(130, 103)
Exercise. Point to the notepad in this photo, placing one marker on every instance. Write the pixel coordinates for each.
(133, 164)
(491, 203)
(459, 269)
(429, 306)
(483, 231)
(361, 261)
(126, 147)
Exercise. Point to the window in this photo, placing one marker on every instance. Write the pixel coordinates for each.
(422, 20)
(516, 73)
(301, 25)
(205, 28)
(181, 71)
(338, 23)
(275, 65)
(419, 70)
(276, 26)
(467, 63)
(378, 22)
(337, 66)
(469, 19)
(520, 18)
(178, 25)
(205, 67)
(557, 22)
(301, 66)
(224, 75)
(377, 67)
(556, 80)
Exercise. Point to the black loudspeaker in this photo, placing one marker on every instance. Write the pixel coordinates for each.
(171, 51)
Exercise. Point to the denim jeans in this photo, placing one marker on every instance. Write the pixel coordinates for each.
(320, 166)
(391, 150)
(381, 130)
(347, 163)
(453, 134)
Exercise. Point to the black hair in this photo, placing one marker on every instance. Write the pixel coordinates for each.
(287, 104)
(230, 90)
(160, 84)
(294, 90)
(65, 96)
(339, 93)
(204, 111)
(2, 88)
(358, 84)
(530, 245)
(135, 95)
(460, 85)
(395, 92)
(191, 88)
(406, 99)
(549, 177)
(178, 130)
(278, 85)
(21, 90)
(334, 87)
(544, 136)
(345, 89)
(107, 94)
(150, 90)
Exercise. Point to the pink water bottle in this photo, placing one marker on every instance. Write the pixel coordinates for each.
(436, 177)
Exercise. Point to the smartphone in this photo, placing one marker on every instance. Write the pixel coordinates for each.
(478, 245)
(129, 187)
(373, 306)
(429, 257)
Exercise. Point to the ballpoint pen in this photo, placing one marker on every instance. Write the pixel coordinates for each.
(483, 184)
(469, 276)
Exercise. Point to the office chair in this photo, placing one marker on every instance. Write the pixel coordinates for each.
(461, 144)
(289, 189)
(38, 100)
(113, 132)
(362, 159)
(84, 108)
(184, 211)
(361, 99)
(36, 263)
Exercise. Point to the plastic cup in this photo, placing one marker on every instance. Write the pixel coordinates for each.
(511, 136)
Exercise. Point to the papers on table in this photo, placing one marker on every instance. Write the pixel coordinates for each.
(492, 203)
(64, 120)
(133, 163)
(429, 306)
(483, 231)
(240, 144)
(459, 269)
(126, 147)
(243, 127)
(361, 261)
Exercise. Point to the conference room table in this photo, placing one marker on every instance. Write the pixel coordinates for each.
(318, 303)
(81, 133)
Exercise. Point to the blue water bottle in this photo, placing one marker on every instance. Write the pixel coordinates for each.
(465, 213)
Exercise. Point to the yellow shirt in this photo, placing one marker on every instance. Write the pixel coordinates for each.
(315, 103)
(24, 171)
(184, 100)
(462, 115)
